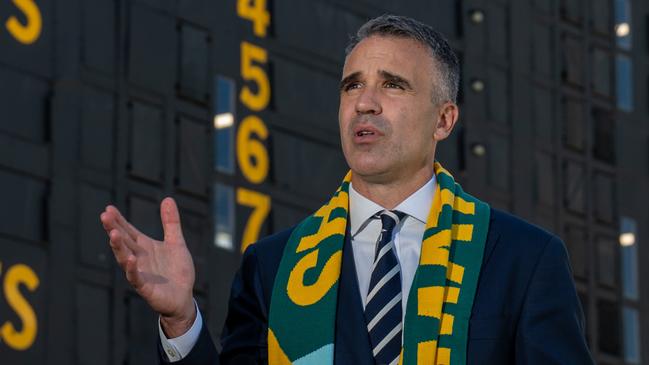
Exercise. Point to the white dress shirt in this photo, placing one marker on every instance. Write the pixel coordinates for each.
(407, 240)
(365, 231)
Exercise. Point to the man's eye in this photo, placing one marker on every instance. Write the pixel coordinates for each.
(352, 86)
(393, 85)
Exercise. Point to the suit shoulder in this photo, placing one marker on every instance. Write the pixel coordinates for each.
(518, 233)
(269, 250)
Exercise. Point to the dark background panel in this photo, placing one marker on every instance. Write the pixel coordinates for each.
(99, 30)
(147, 145)
(194, 63)
(193, 155)
(98, 129)
(144, 213)
(152, 51)
(313, 19)
(93, 325)
(309, 96)
(25, 198)
(142, 332)
(93, 243)
(306, 168)
(25, 105)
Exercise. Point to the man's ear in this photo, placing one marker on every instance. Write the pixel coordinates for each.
(446, 119)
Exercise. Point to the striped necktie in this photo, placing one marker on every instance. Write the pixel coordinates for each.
(383, 301)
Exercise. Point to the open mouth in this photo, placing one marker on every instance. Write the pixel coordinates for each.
(364, 133)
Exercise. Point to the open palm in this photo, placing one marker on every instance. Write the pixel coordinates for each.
(162, 272)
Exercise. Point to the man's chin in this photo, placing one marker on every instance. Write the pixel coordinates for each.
(372, 173)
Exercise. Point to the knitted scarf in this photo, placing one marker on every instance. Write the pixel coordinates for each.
(303, 304)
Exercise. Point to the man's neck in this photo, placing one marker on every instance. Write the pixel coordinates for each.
(392, 193)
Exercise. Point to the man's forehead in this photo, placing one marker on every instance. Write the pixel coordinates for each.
(389, 53)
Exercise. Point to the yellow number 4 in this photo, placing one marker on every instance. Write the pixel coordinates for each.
(256, 13)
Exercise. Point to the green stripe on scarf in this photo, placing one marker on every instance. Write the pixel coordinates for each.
(303, 305)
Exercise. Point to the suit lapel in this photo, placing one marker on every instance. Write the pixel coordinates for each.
(352, 343)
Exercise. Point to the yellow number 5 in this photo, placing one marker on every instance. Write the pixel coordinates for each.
(256, 74)
(29, 33)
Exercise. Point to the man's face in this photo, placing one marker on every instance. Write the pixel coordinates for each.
(387, 116)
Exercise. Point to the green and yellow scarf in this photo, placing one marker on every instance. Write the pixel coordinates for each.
(303, 304)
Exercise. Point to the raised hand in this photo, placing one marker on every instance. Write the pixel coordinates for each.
(162, 272)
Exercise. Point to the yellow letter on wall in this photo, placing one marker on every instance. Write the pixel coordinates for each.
(16, 275)
(29, 33)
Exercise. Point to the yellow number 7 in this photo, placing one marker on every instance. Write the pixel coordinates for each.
(260, 204)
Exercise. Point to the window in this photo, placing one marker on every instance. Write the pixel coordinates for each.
(224, 216)
(631, 335)
(623, 24)
(624, 82)
(629, 258)
(224, 116)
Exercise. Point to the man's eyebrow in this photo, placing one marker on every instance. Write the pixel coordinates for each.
(349, 78)
(389, 76)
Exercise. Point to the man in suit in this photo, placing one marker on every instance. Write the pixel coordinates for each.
(397, 100)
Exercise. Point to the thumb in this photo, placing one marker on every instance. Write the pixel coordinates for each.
(170, 221)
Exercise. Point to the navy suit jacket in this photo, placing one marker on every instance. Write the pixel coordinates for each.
(526, 309)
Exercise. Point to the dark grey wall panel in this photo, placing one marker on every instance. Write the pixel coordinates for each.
(25, 198)
(99, 30)
(311, 97)
(93, 325)
(193, 155)
(152, 51)
(194, 62)
(93, 244)
(294, 161)
(317, 18)
(24, 105)
(97, 129)
(147, 146)
(142, 332)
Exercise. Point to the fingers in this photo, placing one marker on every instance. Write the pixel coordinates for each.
(132, 273)
(122, 222)
(121, 251)
(171, 221)
(111, 219)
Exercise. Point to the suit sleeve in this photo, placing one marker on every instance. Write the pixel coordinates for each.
(244, 334)
(551, 327)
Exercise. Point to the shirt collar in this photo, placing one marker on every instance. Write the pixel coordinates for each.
(417, 205)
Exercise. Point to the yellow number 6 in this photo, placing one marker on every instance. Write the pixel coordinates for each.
(252, 155)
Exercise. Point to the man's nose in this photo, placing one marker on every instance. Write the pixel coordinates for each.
(368, 102)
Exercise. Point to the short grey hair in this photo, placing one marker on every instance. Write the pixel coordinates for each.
(404, 27)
